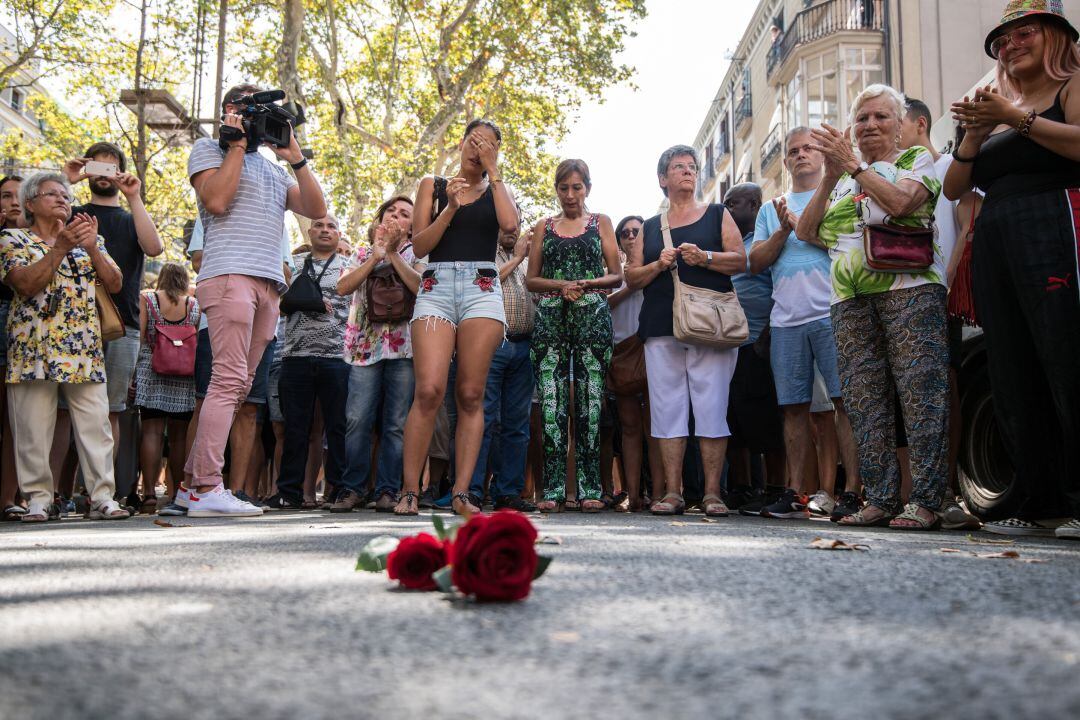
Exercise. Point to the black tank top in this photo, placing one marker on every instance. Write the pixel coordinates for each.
(473, 233)
(1010, 164)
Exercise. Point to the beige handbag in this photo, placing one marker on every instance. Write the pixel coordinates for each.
(112, 325)
(702, 316)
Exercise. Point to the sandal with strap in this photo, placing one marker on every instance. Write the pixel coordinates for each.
(571, 505)
(148, 506)
(108, 510)
(911, 514)
(714, 506)
(663, 507)
(550, 506)
(621, 503)
(592, 505)
(41, 513)
(407, 505)
(859, 519)
(14, 513)
(467, 507)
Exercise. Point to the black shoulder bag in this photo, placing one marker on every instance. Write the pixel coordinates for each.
(305, 293)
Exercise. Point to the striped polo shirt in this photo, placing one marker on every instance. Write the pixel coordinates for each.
(246, 240)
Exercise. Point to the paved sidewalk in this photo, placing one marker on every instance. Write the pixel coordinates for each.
(638, 617)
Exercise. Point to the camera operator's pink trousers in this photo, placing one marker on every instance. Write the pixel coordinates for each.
(242, 314)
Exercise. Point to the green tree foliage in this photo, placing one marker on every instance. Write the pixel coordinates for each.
(391, 85)
(49, 36)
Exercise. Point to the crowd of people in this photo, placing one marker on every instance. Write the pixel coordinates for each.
(781, 357)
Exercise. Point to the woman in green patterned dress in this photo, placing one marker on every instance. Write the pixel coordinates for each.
(573, 263)
(889, 327)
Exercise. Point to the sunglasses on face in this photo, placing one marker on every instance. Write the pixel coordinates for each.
(1020, 37)
(628, 233)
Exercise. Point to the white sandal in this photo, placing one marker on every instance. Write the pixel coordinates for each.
(36, 513)
(108, 510)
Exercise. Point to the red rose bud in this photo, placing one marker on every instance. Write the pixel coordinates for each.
(415, 560)
(494, 557)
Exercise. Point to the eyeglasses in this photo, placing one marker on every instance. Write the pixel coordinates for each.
(628, 233)
(1020, 37)
(55, 196)
(679, 167)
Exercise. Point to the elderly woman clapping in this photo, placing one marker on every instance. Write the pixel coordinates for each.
(54, 343)
(889, 324)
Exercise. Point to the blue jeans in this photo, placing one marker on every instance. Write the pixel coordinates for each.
(507, 402)
(392, 383)
(303, 380)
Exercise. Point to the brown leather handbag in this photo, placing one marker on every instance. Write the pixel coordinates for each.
(888, 247)
(626, 372)
(389, 300)
(112, 325)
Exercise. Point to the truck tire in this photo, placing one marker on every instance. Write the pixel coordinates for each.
(987, 481)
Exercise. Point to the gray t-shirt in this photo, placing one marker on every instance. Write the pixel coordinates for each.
(310, 334)
(246, 240)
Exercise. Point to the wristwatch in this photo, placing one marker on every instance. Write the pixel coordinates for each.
(862, 166)
(708, 257)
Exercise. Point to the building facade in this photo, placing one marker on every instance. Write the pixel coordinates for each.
(15, 113)
(802, 62)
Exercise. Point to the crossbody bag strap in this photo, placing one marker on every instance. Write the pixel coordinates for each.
(325, 267)
(665, 230)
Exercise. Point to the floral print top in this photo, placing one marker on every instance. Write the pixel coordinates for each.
(63, 346)
(841, 230)
(367, 343)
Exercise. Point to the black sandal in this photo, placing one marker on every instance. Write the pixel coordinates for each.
(411, 506)
(467, 500)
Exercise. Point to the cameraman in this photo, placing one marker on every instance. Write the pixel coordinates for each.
(242, 198)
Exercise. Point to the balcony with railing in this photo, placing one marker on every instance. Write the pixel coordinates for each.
(825, 19)
(743, 111)
(770, 149)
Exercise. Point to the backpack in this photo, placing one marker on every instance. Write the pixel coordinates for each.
(173, 350)
(389, 300)
(305, 293)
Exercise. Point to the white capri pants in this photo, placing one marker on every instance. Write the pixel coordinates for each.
(682, 375)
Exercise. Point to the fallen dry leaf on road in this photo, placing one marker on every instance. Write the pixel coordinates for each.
(833, 544)
(989, 541)
(549, 540)
(1005, 555)
(163, 523)
(678, 523)
(708, 520)
(566, 637)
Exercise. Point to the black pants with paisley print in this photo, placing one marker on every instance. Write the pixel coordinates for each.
(889, 343)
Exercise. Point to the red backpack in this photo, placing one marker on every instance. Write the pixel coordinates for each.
(173, 350)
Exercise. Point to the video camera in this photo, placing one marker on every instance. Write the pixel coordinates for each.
(264, 120)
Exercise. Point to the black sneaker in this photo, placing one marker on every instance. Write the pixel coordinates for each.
(248, 499)
(756, 502)
(280, 502)
(847, 504)
(790, 506)
(739, 495)
(514, 502)
(427, 499)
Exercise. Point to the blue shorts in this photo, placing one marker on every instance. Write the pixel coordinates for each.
(204, 362)
(794, 351)
(459, 291)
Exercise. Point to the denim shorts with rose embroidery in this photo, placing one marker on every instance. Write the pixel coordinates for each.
(458, 291)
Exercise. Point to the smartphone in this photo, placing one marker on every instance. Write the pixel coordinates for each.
(99, 169)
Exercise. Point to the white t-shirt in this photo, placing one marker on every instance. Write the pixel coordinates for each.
(800, 275)
(945, 213)
(624, 316)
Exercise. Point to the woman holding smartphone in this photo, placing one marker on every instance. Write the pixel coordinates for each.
(459, 308)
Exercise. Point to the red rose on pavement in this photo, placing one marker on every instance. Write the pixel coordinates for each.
(415, 559)
(494, 556)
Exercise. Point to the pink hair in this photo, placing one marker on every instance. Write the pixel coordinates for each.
(1061, 59)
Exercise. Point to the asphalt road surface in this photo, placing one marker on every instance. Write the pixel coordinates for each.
(638, 617)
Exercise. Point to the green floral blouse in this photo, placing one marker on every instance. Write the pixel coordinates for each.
(64, 345)
(841, 229)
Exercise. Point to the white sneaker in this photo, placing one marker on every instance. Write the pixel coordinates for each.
(219, 502)
(1069, 530)
(821, 503)
(182, 497)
